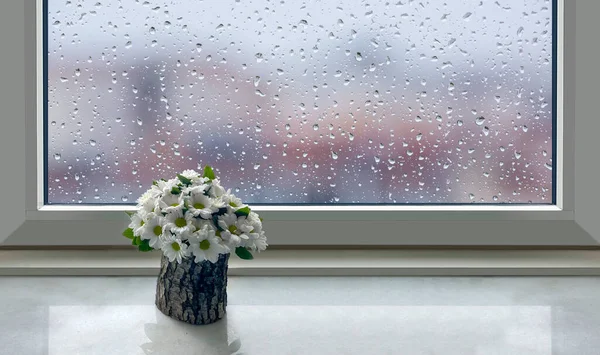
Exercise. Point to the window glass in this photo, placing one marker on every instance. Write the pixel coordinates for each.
(295, 102)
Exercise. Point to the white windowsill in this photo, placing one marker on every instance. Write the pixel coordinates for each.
(314, 263)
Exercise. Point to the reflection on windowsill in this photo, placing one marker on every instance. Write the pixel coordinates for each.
(168, 335)
(304, 329)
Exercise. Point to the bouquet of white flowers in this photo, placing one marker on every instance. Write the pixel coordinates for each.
(193, 216)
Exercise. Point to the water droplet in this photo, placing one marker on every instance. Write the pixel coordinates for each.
(208, 58)
(340, 22)
(198, 47)
(467, 15)
(316, 127)
(334, 155)
(92, 142)
(359, 56)
(259, 57)
(57, 156)
(124, 198)
(480, 120)
(128, 44)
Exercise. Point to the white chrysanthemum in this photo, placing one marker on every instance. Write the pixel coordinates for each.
(255, 241)
(146, 202)
(153, 229)
(232, 201)
(162, 186)
(196, 178)
(190, 173)
(169, 201)
(137, 223)
(199, 223)
(254, 220)
(233, 224)
(175, 249)
(201, 205)
(205, 245)
(216, 190)
(180, 223)
(232, 240)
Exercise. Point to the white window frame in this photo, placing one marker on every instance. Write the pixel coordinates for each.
(571, 222)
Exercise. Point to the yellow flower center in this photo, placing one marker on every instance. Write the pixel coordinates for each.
(142, 223)
(198, 206)
(232, 229)
(232, 204)
(174, 204)
(175, 246)
(157, 230)
(205, 244)
(180, 222)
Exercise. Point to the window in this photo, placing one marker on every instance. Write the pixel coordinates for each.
(572, 220)
(346, 102)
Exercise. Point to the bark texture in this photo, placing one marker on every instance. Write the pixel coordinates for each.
(193, 293)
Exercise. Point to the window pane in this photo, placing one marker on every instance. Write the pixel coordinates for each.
(303, 102)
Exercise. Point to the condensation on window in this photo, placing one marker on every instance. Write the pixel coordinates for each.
(302, 102)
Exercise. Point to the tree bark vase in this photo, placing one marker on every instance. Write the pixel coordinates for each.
(194, 293)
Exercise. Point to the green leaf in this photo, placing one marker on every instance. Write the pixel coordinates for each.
(136, 241)
(128, 233)
(243, 253)
(243, 212)
(154, 182)
(145, 246)
(175, 190)
(129, 213)
(184, 180)
(209, 173)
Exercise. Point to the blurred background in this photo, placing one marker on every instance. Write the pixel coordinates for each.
(302, 102)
